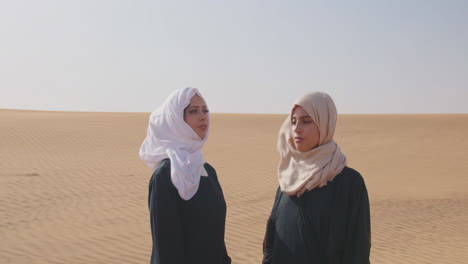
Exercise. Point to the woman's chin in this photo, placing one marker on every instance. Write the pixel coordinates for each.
(304, 148)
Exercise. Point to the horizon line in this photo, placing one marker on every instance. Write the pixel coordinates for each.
(234, 113)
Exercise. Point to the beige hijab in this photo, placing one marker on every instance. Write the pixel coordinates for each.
(299, 172)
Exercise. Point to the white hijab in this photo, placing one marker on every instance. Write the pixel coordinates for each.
(299, 172)
(169, 136)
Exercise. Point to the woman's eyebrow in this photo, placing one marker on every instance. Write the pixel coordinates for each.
(196, 106)
(301, 117)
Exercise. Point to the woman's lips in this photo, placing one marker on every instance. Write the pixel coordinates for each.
(298, 139)
(203, 127)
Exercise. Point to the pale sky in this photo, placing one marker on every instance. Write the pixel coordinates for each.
(245, 56)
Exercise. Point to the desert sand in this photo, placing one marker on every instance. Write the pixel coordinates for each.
(73, 190)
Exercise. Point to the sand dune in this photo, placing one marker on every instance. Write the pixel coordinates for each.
(73, 190)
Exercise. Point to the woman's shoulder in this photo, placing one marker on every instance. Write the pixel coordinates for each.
(162, 171)
(164, 165)
(210, 169)
(350, 176)
(350, 172)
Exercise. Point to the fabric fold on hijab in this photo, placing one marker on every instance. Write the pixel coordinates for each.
(169, 136)
(299, 172)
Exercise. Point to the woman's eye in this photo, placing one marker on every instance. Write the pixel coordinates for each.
(293, 122)
(194, 111)
(305, 121)
(206, 111)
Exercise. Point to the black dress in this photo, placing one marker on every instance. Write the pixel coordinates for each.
(326, 225)
(186, 232)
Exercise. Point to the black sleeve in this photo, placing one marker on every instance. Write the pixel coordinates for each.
(358, 237)
(212, 172)
(227, 259)
(165, 219)
(268, 242)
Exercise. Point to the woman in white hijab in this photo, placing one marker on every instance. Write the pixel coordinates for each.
(186, 202)
(321, 210)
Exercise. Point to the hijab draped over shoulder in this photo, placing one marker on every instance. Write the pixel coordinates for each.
(299, 172)
(169, 136)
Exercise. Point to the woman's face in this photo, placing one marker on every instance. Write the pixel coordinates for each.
(196, 115)
(305, 132)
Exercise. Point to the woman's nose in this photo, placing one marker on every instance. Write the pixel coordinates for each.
(297, 128)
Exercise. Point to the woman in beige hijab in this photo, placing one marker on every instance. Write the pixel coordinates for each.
(321, 210)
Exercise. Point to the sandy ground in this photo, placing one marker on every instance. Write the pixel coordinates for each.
(73, 190)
